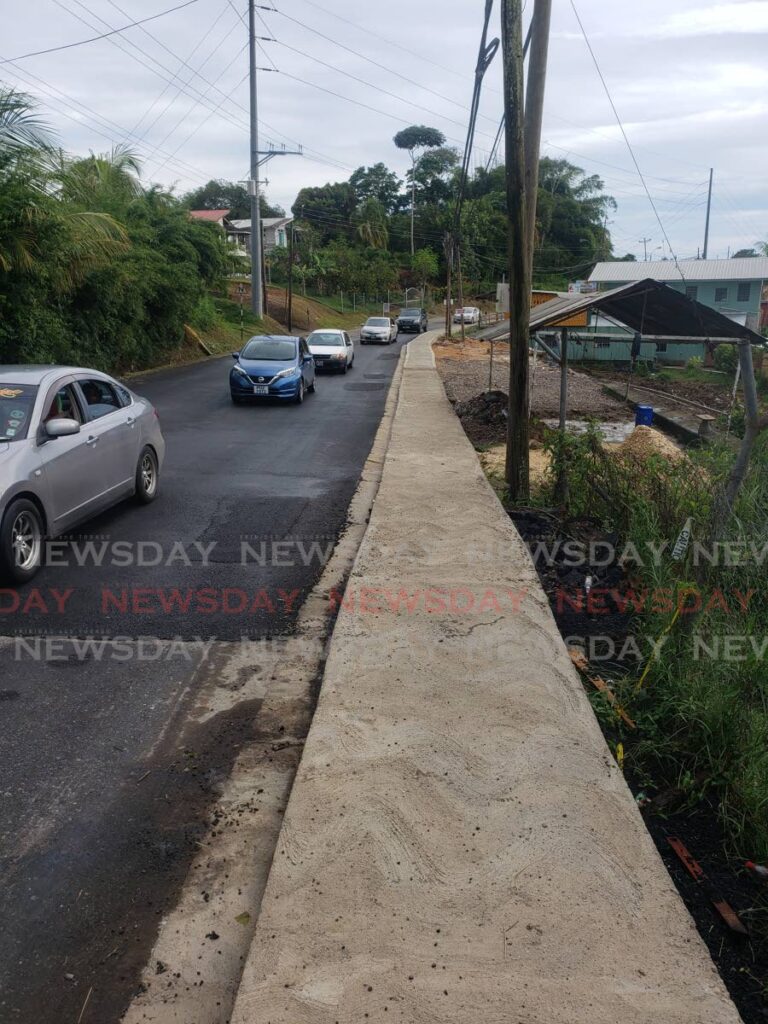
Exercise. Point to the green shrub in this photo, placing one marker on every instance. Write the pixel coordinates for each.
(726, 358)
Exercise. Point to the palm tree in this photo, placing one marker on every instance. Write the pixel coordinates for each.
(22, 132)
(371, 221)
(41, 228)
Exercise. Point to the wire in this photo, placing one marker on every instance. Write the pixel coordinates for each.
(104, 35)
(370, 60)
(396, 43)
(112, 127)
(626, 138)
(370, 85)
(358, 103)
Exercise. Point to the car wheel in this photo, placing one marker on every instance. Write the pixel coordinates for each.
(236, 399)
(21, 541)
(147, 477)
(300, 393)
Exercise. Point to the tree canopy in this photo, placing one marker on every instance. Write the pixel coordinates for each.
(228, 195)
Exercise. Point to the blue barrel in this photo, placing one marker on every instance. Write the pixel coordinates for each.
(644, 416)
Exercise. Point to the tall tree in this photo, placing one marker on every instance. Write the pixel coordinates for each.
(376, 182)
(417, 137)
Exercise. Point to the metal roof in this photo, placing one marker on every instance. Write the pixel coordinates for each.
(212, 215)
(651, 308)
(753, 268)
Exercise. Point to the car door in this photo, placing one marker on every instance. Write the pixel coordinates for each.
(67, 465)
(110, 430)
(350, 348)
(307, 363)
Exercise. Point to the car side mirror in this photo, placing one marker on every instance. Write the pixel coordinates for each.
(62, 426)
(235, 355)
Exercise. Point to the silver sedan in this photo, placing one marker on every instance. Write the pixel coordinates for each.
(73, 442)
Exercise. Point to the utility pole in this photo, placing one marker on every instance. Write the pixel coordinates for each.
(257, 299)
(289, 311)
(709, 207)
(644, 242)
(258, 157)
(534, 112)
(517, 460)
(448, 250)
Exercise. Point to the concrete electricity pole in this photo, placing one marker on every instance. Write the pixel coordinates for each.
(709, 207)
(258, 157)
(257, 298)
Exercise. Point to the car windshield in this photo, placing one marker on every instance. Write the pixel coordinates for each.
(16, 403)
(410, 312)
(326, 338)
(377, 321)
(277, 350)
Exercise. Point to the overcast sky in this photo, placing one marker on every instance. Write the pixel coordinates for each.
(689, 80)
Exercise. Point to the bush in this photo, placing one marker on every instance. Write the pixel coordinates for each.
(700, 716)
(204, 315)
(726, 358)
(694, 363)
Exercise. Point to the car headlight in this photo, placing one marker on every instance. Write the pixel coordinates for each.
(292, 371)
(339, 355)
(239, 370)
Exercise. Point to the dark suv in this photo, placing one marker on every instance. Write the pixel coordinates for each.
(412, 320)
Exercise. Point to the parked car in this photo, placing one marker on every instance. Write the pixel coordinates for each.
(467, 314)
(73, 442)
(332, 350)
(272, 366)
(415, 320)
(379, 329)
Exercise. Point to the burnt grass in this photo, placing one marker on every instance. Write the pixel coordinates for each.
(668, 811)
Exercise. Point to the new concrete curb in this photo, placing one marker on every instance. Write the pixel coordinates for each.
(459, 845)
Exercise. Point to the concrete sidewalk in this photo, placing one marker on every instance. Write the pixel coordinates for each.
(459, 845)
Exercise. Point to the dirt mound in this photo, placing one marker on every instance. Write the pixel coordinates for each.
(484, 417)
(646, 441)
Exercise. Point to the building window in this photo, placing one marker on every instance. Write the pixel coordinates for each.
(661, 346)
(691, 291)
(721, 294)
(743, 291)
(602, 344)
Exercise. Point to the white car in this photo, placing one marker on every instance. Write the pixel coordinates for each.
(378, 329)
(466, 314)
(332, 349)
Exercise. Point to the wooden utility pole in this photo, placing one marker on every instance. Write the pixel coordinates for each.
(448, 250)
(461, 291)
(289, 311)
(517, 461)
(534, 112)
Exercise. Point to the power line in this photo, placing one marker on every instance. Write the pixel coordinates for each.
(370, 60)
(396, 43)
(112, 127)
(370, 85)
(104, 35)
(172, 100)
(358, 103)
(626, 138)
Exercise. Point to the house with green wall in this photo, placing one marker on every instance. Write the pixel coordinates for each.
(736, 288)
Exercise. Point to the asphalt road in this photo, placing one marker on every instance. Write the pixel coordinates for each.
(251, 499)
(99, 813)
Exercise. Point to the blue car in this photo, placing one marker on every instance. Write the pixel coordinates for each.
(272, 366)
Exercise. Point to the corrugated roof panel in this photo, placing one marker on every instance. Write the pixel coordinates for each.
(749, 269)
